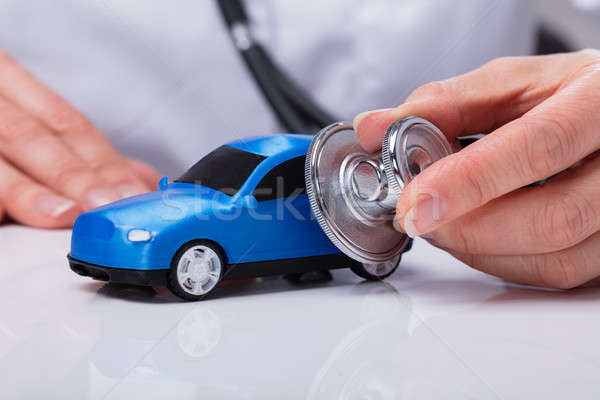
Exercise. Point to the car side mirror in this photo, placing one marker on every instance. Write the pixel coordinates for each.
(163, 183)
(248, 201)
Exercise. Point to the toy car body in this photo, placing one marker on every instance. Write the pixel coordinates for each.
(240, 212)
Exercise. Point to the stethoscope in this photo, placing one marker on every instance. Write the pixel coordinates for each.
(352, 193)
(293, 107)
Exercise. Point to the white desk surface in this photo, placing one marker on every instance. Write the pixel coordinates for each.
(434, 330)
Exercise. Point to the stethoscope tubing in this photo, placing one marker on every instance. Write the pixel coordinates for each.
(293, 107)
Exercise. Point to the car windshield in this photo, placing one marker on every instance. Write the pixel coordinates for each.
(225, 169)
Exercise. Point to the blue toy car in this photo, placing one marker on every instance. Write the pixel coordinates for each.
(239, 212)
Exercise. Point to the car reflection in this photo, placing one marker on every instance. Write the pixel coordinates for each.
(353, 342)
(198, 333)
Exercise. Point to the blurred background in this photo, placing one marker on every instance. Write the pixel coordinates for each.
(580, 30)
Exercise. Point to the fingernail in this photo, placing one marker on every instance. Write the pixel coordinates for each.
(100, 196)
(409, 226)
(128, 190)
(424, 216)
(397, 225)
(362, 115)
(52, 205)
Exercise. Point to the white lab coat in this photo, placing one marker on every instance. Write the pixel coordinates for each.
(164, 82)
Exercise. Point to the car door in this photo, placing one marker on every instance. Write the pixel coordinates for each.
(283, 203)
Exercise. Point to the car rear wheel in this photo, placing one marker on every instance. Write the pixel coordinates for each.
(196, 269)
(378, 271)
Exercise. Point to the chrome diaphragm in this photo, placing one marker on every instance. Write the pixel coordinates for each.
(353, 194)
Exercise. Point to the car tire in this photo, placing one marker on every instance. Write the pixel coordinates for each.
(376, 272)
(196, 269)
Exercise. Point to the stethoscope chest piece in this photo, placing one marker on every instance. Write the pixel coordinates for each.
(353, 194)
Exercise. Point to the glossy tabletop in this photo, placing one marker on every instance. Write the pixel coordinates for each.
(433, 330)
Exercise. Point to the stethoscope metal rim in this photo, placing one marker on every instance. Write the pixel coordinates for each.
(394, 134)
(320, 210)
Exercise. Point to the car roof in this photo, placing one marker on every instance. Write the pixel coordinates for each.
(271, 145)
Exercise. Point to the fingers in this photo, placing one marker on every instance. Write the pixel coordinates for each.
(477, 102)
(117, 172)
(54, 163)
(555, 216)
(37, 152)
(542, 115)
(79, 135)
(32, 204)
(563, 269)
(22, 89)
(548, 139)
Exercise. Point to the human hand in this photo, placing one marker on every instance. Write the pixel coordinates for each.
(542, 116)
(54, 163)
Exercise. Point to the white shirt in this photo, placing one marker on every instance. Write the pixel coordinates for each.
(163, 80)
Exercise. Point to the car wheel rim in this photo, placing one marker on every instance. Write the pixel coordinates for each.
(382, 268)
(198, 270)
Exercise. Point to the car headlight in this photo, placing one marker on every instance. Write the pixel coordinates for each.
(139, 235)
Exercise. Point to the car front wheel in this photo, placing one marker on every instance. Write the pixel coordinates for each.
(196, 269)
(378, 271)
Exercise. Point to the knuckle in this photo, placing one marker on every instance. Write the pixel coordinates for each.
(508, 66)
(108, 162)
(113, 168)
(591, 67)
(445, 93)
(431, 89)
(18, 127)
(468, 169)
(499, 64)
(64, 119)
(558, 271)
(586, 70)
(549, 142)
(70, 174)
(590, 55)
(564, 220)
(18, 191)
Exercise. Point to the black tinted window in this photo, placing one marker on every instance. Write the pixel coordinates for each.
(225, 169)
(282, 181)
